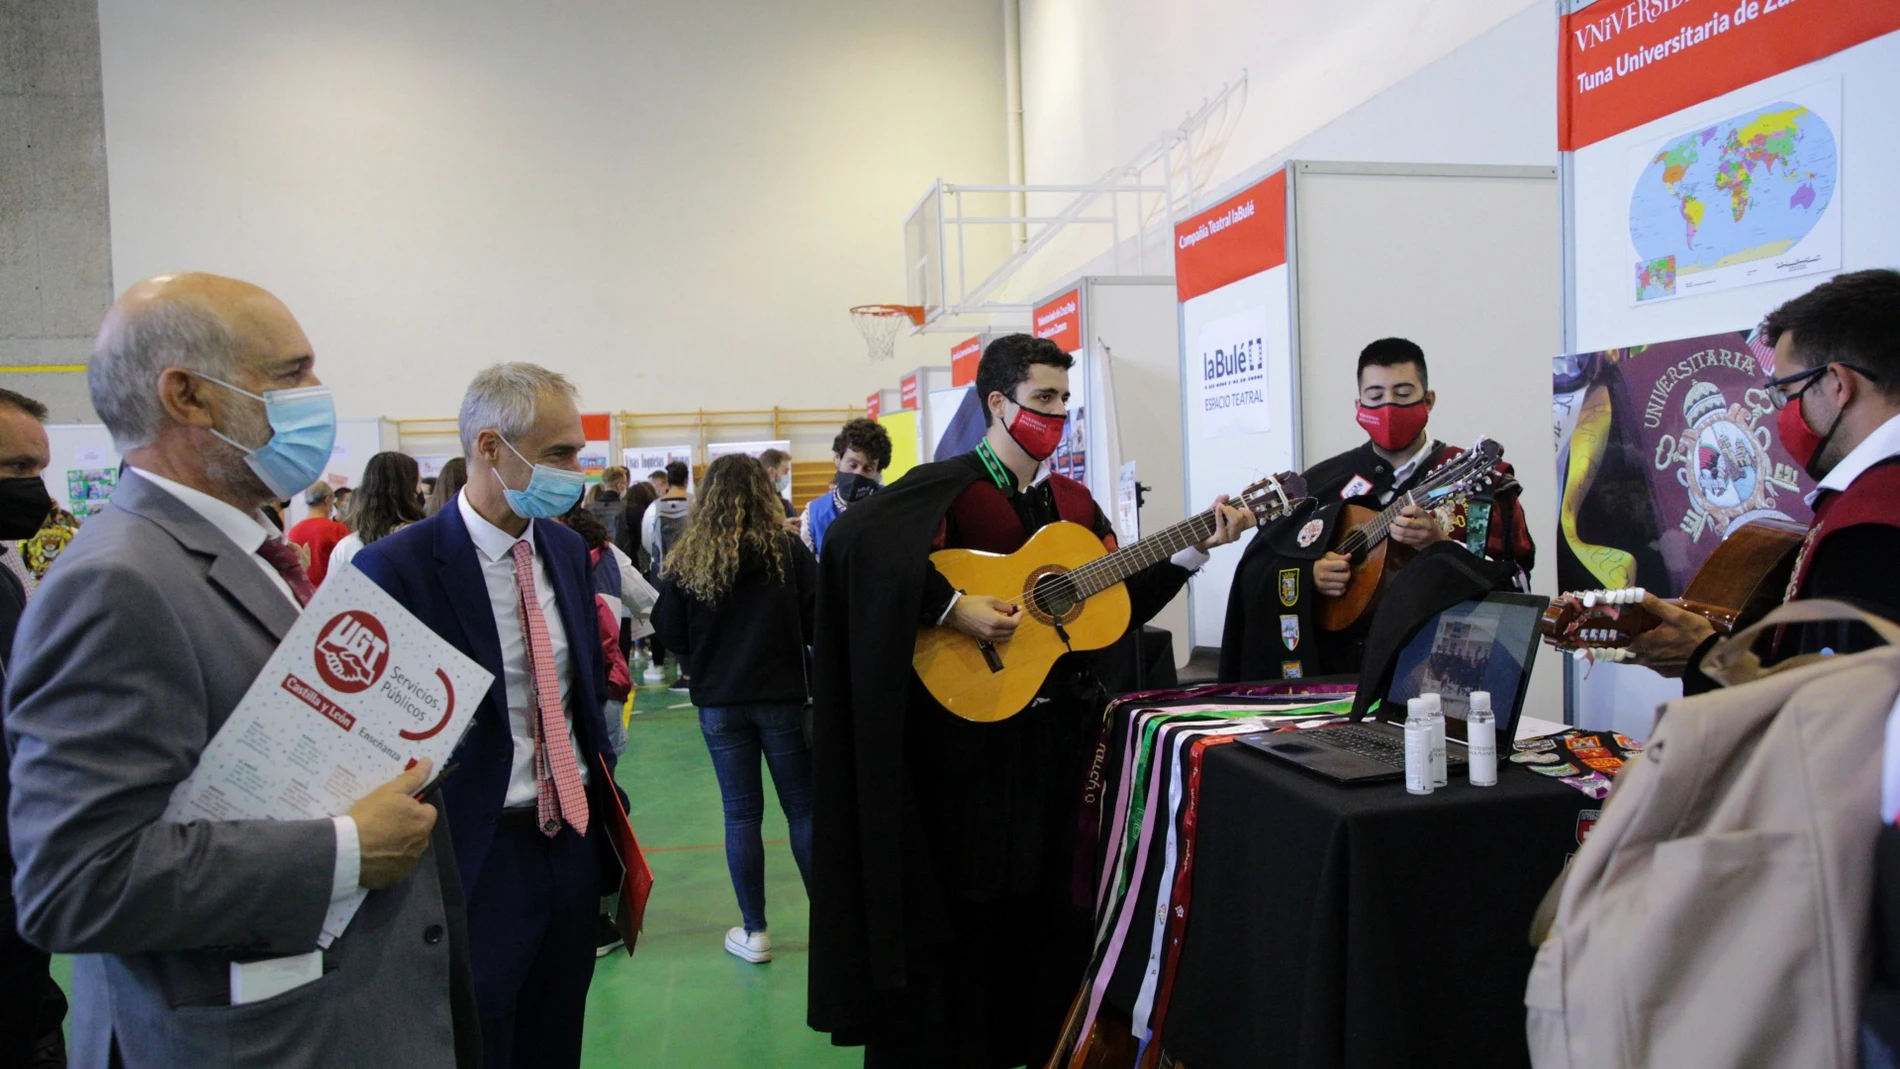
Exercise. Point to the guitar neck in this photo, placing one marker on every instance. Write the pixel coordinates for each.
(1375, 530)
(1105, 571)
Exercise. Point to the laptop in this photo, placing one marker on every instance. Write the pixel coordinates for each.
(1484, 644)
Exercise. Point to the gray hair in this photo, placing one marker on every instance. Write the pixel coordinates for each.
(502, 398)
(317, 494)
(128, 357)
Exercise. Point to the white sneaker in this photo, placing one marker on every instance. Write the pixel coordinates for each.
(654, 674)
(754, 947)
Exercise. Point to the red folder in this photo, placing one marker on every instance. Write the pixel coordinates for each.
(636, 880)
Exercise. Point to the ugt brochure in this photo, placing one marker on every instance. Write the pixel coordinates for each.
(358, 691)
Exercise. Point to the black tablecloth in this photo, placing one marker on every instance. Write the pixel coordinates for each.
(1362, 926)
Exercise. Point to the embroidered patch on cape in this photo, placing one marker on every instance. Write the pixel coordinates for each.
(1289, 587)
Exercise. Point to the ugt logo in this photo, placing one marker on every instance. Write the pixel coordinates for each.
(352, 652)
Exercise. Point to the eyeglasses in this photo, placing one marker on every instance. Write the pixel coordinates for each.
(1777, 389)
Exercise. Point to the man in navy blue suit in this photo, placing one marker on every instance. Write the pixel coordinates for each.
(497, 577)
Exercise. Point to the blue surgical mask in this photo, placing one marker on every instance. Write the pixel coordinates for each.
(550, 492)
(303, 430)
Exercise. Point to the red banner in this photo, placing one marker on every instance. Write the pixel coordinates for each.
(963, 359)
(872, 405)
(1061, 321)
(907, 392)
(1235, 239)
(597, 426)
(1622, 64)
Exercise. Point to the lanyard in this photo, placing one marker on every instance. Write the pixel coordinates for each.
(998, 473)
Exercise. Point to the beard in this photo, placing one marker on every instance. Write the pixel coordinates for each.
(225, 464)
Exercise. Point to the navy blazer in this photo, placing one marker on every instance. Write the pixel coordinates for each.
(433, 569)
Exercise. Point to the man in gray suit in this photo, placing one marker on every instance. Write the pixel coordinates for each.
(140, 643)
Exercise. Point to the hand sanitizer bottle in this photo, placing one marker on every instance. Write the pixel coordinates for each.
(1481, 738)
(1418, 747)
(1436, 711)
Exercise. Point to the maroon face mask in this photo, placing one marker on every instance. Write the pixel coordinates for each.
(1038, 433)
(1799, 439)
(1393, 427)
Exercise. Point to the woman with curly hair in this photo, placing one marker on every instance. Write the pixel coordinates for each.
(736, 605)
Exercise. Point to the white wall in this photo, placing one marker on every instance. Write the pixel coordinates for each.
(1491, 100)
(1102, 78)
(673, 203)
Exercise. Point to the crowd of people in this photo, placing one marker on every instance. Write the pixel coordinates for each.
(938, 852)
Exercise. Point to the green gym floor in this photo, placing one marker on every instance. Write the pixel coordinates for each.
(681, 1001)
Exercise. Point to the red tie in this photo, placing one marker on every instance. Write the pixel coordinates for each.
(283, 556)
(557, 777)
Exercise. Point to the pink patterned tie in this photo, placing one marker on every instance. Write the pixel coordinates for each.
(282, 556)
(557, 777)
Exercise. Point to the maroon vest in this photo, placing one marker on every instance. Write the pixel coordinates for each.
(982, 517)
(1874, 497)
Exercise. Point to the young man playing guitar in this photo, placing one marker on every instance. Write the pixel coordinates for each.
(1837, 389)
(942, 927)
(1270, 632)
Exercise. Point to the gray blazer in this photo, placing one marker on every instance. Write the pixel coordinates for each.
(139, 645)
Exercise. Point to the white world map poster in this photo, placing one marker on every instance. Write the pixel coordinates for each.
(1738, 198)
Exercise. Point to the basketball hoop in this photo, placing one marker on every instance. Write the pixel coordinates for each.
(879, 323)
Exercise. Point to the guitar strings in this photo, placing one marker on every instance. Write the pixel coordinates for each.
(1458, 471)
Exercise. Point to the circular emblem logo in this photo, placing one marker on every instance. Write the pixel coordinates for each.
(352, 651)
(1309, 534)
(1727, 464)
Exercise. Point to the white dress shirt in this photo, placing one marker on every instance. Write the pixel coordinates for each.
(1405, 471)
(249, 532)
(1876, 447)
(494, 548)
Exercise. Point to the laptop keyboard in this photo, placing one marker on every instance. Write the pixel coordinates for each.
(1377, 745)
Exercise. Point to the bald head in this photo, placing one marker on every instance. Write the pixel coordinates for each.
(166, 344)
(207, 324)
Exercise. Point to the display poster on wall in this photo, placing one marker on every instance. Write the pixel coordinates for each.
(88, 490)
(902, 427)
(1239, 405)
(1060, 320)
(429, 464)
(874, 405)
(1722, 157)
(597, 453)
(1740, 200)
(1072, 455)
(964, 428)
(643, 460)
(1231, 389)
(1128, 505)
(1664, 450)
(1714, 171)
(964, 357)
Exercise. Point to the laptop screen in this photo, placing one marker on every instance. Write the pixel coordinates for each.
(1485, 644)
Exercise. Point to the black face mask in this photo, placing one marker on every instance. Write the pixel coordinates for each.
(24, 506)
(851, 487)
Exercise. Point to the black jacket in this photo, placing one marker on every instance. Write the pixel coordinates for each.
(750, 646)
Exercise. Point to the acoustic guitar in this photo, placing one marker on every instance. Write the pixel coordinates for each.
(1741, 581)
(1361, 533)
(1070, 589)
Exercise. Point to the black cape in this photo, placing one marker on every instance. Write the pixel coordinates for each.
(870, 893)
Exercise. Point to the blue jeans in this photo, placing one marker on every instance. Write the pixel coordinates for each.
(736, 735)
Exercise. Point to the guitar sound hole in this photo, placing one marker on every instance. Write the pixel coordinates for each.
(1056, 596)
